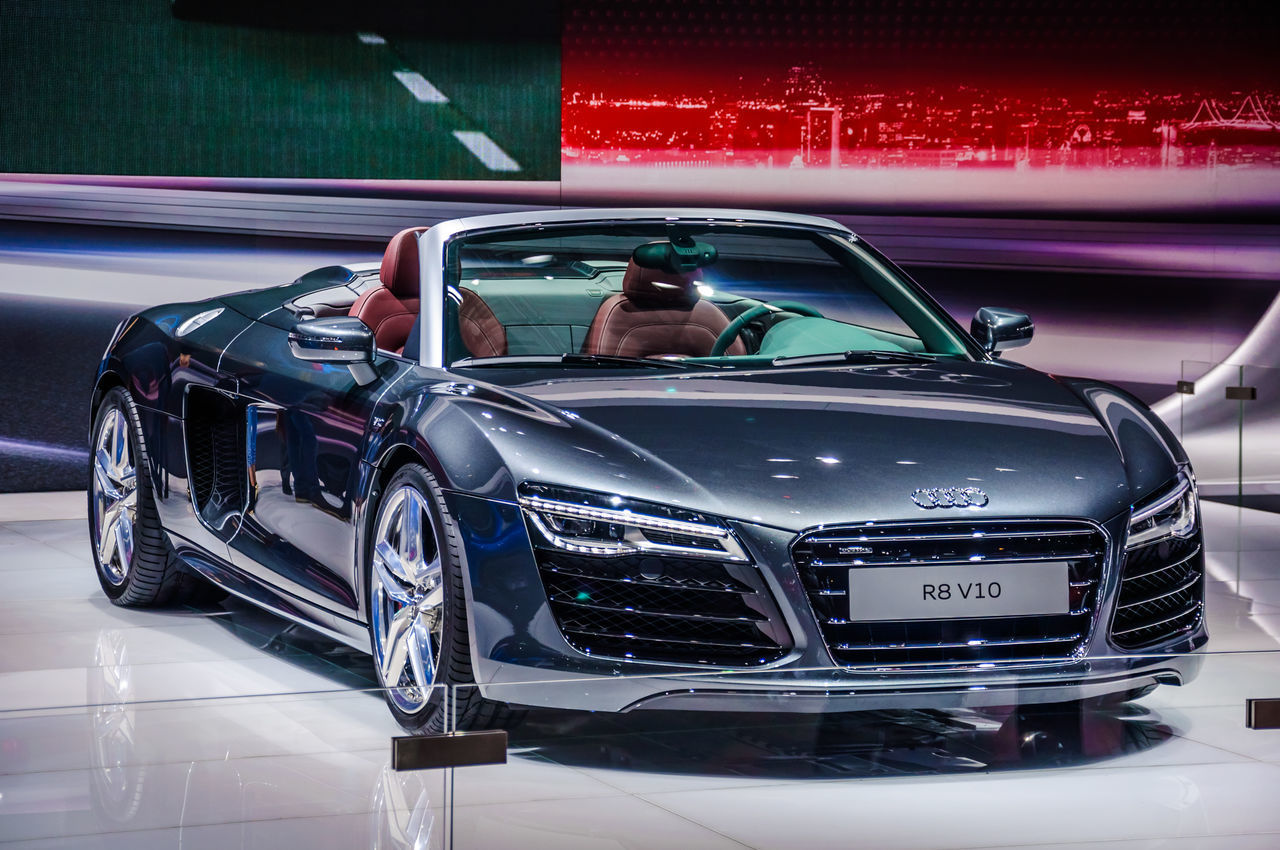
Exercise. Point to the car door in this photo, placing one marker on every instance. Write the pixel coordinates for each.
(304, 425)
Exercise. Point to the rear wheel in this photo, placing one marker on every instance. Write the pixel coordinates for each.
(135, 565)
(417, 609)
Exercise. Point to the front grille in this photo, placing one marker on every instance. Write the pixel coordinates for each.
(953, 642)
(680, 610)
(1161, 594)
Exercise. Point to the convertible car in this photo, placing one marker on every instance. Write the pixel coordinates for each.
(629, 459)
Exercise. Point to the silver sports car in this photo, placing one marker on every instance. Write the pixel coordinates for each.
(649, 459)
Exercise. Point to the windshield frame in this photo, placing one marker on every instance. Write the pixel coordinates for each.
(440, 266)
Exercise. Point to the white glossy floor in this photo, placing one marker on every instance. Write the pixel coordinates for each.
(224, 728)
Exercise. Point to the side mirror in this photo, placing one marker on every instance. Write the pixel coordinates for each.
(997, 329)
(342, 341)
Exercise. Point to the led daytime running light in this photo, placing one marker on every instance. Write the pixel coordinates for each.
(1181, 523)
(623, 517)
(721, 543)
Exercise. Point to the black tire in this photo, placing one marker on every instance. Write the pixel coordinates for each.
(154, 576)
(453, 667)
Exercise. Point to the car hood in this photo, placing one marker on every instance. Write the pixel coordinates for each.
(800, 447)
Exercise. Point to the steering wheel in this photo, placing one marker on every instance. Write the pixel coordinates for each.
(730, 333)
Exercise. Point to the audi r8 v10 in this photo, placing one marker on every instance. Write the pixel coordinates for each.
(640, 459)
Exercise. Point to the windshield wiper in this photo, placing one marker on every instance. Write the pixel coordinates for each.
(576, 360)
(854, 357)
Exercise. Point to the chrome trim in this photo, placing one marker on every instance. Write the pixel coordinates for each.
(693, 694)
(929, 498)
(1108, 560)
(199, 320)
(1187, 585)
(431, 253)
(962, 645)
(909, 538)
(562, 216)
(840, 621)
(1178, 616)
(1195, 610)
(1150, 573)
(950, 562)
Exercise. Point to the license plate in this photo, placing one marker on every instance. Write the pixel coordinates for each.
(959, 591)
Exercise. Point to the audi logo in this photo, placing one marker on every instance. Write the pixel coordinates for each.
(949, 497)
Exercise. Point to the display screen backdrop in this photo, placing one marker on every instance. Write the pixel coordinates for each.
(988, 104)
(1112, 168)
(335, 89)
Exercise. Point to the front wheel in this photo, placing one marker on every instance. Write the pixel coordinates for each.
(135, 565)
(417, 610)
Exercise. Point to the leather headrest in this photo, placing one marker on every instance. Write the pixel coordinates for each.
(399, 272)
(658, 286)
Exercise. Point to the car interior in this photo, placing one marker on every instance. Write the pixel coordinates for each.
(667, 300)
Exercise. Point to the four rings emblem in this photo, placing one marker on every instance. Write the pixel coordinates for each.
(949, 497)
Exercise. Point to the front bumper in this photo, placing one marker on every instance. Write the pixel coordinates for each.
(835, 690)
(520, 655)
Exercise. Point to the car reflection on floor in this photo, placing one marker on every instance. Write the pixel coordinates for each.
(253, 760)
(133, 788)
(224, 726)
(846, 745)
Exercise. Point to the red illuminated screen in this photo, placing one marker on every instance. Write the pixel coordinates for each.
(983, 85)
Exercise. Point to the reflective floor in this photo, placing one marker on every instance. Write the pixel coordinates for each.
(220, 726)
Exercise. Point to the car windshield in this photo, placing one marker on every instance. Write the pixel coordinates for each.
(714, 294)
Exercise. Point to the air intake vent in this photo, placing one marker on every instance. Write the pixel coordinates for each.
(1161, 594)
(660, 608)
(824, 570)
(215, 456)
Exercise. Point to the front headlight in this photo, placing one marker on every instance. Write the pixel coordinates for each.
(1171, 514)
(610, 526)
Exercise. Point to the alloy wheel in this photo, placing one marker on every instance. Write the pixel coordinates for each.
(115, 497)
(407, 598)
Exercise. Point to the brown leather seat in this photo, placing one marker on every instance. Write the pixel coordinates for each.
(657, 313)
(391, 308)
(482, 333)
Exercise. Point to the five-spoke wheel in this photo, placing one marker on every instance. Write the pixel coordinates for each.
(417, 609)
(114, 494)
(135, 564)
(407, 598)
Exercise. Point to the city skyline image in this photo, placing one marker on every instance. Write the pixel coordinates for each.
(802, 117)
(923, 104)
(921, 83)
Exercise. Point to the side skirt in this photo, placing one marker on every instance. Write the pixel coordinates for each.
(240, 583)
